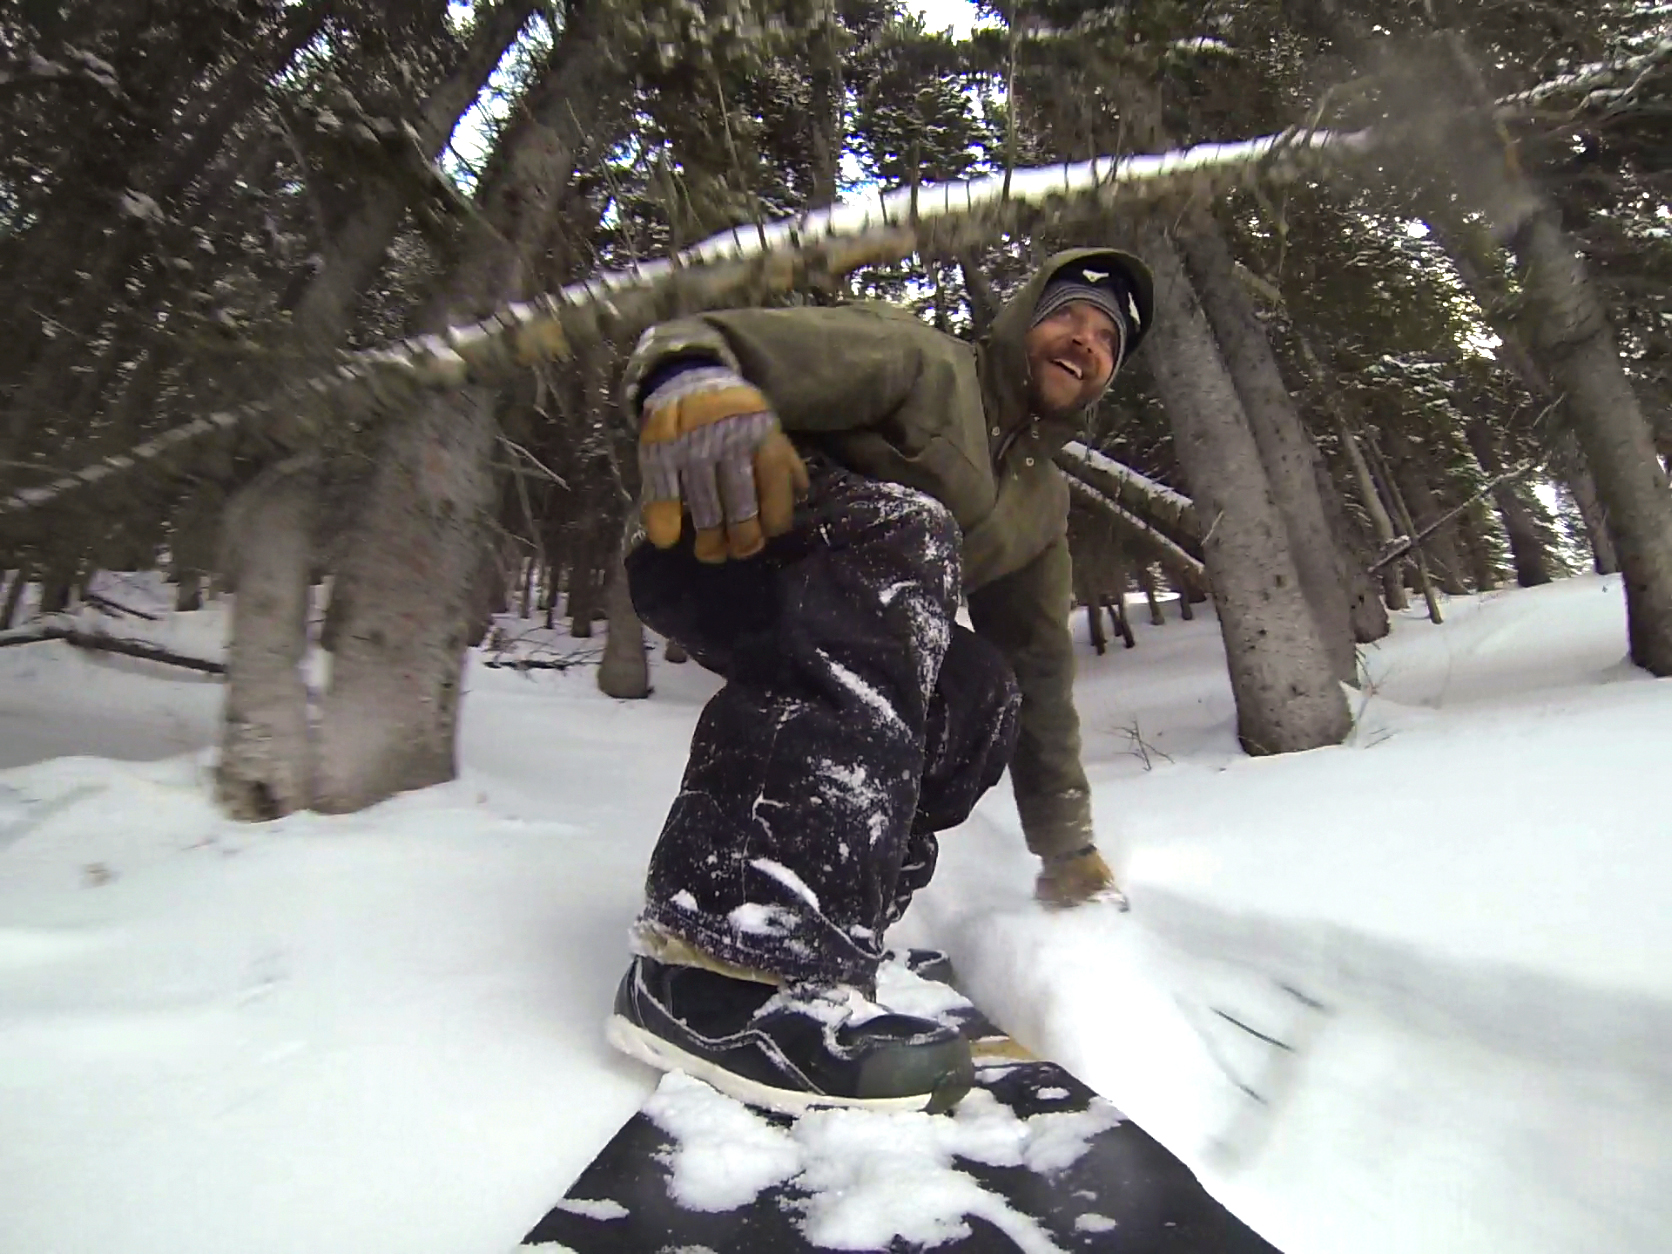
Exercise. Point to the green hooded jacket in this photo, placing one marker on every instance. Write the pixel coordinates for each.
(886, 395)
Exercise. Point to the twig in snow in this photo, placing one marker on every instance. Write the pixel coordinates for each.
(1140, 748)
(116, 607)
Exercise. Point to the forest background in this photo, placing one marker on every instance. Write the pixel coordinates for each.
(1414, 341)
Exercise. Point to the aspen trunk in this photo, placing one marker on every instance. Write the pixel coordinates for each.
(1287, 695)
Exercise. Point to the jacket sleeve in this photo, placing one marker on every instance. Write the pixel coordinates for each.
(1026, 615)
(823, 369)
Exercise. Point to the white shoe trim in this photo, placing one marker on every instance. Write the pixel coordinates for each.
(647, 1047)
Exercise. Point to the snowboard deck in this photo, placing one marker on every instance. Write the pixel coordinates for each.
(1121, 1191)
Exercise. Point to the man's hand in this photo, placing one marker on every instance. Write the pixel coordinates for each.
(710, 442)
(1073, 879)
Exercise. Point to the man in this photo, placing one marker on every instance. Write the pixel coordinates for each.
(857, 718)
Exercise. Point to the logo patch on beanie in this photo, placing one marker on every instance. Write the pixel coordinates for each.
(1094, 276)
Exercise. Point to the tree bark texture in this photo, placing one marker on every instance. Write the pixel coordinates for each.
(389, 722)
(1365, 610)
(265, 767)
(1572, 334)
(1286, 449)
(1567, 331)
(1287, 695)
(386, 723)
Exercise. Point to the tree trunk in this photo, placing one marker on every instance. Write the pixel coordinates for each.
(1411, 473)
(409, 581)
(1572, 334)
(188, 592)
(353, 254)
(1284, 682)
(57, 587)
(389, 722)
(625, 671)
(1568, 332)
(1393, 591)
(585, 604)
(1419, 562)
(1116, 606)
(827, 105)
(1475, 526)
(1181, 585)
(1286, 449)
(1366, 612)
(265, 767)
(1146, 582)
(1584, 491)
(1532, 563)
(14, 598)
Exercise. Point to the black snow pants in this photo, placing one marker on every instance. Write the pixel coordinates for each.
(856, 721)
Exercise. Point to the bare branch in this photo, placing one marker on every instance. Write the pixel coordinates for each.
(108, 644)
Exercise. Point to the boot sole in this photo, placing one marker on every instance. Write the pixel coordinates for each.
(635, 1042)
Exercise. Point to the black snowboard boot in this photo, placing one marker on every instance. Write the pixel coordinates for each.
(788, 1048)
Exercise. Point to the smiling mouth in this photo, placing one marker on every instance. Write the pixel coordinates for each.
(1070, 367)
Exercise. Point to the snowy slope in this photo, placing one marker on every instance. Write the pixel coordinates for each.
(381, 1031)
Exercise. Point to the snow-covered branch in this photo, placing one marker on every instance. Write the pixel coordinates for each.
(746, 264)
(1170, 552)
(1155, 503)
(1590, 81)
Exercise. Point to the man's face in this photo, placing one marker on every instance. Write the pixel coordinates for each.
(1071, 356)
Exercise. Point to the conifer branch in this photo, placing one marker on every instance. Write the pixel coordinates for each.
(746, 264)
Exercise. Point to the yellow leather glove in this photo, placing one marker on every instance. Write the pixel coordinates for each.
(710, 443)
(1073, 879)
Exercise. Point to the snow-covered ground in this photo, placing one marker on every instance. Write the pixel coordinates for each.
(381, 1032)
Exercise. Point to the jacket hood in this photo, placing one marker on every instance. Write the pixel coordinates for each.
(1003, 360)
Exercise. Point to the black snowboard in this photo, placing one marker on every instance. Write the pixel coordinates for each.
(1123, 1192)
